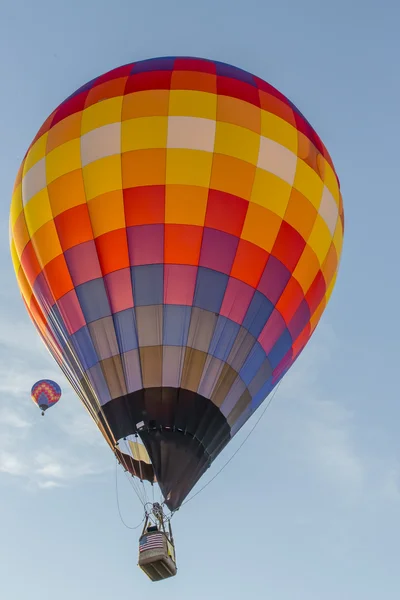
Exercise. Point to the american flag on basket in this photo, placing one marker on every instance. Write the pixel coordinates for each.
(150, 542)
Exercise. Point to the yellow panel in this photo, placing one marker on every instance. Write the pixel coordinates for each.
(232, 175)
(63, 159)
(143, 133)
(185, 204)
(331, 182)
(233, 140)
(279, 130)
(107, 212)
(36, 153)
(102, 176)
(308, 183)
(139, 452)
(188, 103)
(24, 287)
(189, 167)
(14, 257)
(329, 291)
(271, 192)
(46, 243)
(16, 204)
(102, 113)
(320, 239)
(338, 237)
(20, 234)
(261, 227)
(38, 211)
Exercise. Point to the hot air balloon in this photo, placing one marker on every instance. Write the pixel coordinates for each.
(45, 393)
(176, 231)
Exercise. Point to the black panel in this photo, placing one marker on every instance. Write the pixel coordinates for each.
(183, 433)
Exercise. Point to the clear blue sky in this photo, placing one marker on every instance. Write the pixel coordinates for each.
(310, 507)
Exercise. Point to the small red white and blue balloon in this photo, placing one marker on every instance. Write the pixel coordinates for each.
(45, 393)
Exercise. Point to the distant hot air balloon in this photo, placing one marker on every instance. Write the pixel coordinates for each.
(176, 230)
(45, 393)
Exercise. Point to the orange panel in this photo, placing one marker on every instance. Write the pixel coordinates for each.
(300, 214)
(189, 80)
(249, 263)
(58, 277)
(112, 251)
(182, 244)
(66, 191)
(144, 167)
(232, 175)
(64, 131)
(74, 227)
(152, 103)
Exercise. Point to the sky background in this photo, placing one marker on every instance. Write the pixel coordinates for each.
(309, 509)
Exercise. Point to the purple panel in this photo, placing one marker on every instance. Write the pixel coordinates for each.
(233, 72)
(236, 301)
(274, 279)
(179, 284)
(280, 349)
(119, 290)
(83, 263)
(96, 378)
(146, 244)
(218, 250)
(154, 64)
(273, 329)
(71, 312)
(43, 293)
(299, 320)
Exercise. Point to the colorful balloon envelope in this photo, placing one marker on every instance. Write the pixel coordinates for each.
(45, 393)
(176, 230)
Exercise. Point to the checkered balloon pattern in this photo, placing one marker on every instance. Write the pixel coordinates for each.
(45, 393)
(176, 223)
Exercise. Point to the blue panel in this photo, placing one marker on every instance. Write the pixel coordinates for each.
(148, 284)
(84, 348)
(126, 330)
(230, 71)
(252, 363)
(224, 337)
(210, 289)
(57, 326)
(154, 64)
(93, 299)
(281, 347)
(258, 313)
(263, 393)
(176, 324)
(98, 381)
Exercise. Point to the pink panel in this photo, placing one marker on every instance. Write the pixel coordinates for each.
(119, 290)
(179, 284)
(83, 263)
(71, 312)
(236, 301)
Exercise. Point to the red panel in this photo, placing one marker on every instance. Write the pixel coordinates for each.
(226, 212)
(58, 277)
(228, 86)
(316, 292)
(112, 251)
(150, 80)
(74, 227)
(144, 205)
(290, 300)
(288, 246)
